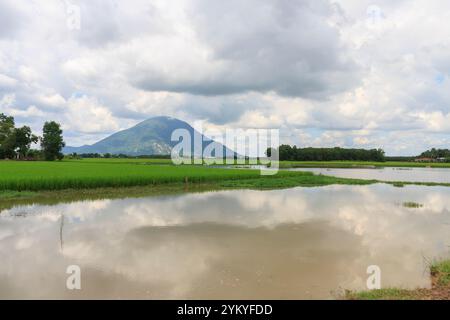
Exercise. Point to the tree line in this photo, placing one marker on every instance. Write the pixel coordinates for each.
(16, 143)
(436, 154)
(108, 155)
(292, 153)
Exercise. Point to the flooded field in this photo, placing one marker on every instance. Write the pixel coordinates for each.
(297, 243)
(438, 175)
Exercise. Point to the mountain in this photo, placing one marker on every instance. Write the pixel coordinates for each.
(150, 137)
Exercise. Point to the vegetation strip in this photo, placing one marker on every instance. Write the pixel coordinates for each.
(9, 198)
(27, 182)
(360, 164)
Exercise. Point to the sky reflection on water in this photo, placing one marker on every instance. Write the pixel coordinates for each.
(296, 244)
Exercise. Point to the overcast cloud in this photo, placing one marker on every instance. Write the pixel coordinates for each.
(351, 73)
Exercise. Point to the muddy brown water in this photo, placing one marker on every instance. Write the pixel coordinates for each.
(299, 243)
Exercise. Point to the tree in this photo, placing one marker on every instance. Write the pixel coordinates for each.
(436, 153)
(52, 141)
(270, 151)
(286, 152)
(23, 140)
(35, 154)
(7, 136)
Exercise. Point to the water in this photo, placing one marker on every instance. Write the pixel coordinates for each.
(298, 243)
(440, 175)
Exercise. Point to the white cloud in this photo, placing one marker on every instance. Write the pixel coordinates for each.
(88, 115)
(324, 72)
(7, 100)
(7, 82)
(53, 100)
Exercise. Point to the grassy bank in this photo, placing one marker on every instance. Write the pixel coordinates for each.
(296, 164)
(15, 198)
(359, 164)
(122, 180)
(440, 288)
(26, 182)
(38, 176)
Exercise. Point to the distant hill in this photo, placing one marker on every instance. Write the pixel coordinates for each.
(150, 137)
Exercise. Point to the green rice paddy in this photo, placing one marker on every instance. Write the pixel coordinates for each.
(36, 176)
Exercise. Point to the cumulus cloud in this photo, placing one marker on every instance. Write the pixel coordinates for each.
(8, 15)
(232, 47)
(344, 72)
(80, 109)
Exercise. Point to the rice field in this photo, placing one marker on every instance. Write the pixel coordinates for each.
(95, 173)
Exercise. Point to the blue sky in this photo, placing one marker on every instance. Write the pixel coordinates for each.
(349, 73)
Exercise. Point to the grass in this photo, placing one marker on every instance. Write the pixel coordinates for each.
(440, 289)
(73, 195)
(304, 180)
(70, 180)
(101, 173)
(383, 294)
(294, 164)
(9, 194)
(401, 184)
(442, 271)
(122, 160)
(16, 178)
(412, 205)
(359, 164)
(37, 176)
(74, 179)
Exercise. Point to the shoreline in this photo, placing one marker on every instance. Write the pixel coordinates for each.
(72, 180)
(11, 198)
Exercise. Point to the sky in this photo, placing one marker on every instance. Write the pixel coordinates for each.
(348, 73)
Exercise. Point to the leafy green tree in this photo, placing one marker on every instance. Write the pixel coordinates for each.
(7, 136)
(35, 154)
(287, 152)
(23, 140)
(52, 141)
(436, 153)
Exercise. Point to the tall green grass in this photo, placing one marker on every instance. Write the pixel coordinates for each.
(36, 176)
(441, 270)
